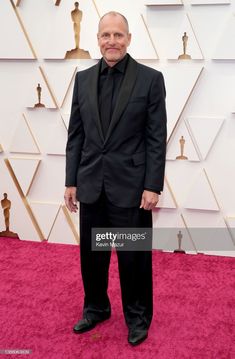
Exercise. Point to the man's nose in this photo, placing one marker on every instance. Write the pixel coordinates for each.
(112, 39)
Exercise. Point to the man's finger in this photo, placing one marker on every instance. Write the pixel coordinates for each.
(142, 202)
(74, 199)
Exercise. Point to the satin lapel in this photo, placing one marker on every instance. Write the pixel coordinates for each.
(93, 97)
(124, 94)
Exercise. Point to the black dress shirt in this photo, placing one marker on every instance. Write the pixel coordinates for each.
(118, 74)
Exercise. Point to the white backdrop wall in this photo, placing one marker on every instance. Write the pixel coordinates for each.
(34, 38)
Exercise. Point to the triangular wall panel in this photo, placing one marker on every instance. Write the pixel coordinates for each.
(149, 36)
(60, 25)
(209, 233)
(66, 118)
(176, 47)
(62, 231)
(204, 130)
(58, 137)
(167, 199)
(14, 43)
(21, 224)
(45, 213)
(42, 122)
(225, 49)
(47, 98)
(48, 184)
(174, 146)
(201, 195)
(23, 140)
(180, 81)
(24, 170)
(60, 78)
(165, 237)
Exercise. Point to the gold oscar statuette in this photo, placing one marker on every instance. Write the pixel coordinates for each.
(184, 56)
(182, 143)
(39, 93)
(77, 53)
(6, 205)
(179, 250)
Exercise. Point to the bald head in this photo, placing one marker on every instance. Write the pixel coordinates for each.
(114, 14)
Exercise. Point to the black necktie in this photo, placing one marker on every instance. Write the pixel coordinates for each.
(106, 101)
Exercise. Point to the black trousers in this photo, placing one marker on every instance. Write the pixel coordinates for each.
(135, 267)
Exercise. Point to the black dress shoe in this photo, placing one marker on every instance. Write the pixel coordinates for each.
(85, 324)
(137, 336)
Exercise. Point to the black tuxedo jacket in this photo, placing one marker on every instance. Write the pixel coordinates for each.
(132, 156)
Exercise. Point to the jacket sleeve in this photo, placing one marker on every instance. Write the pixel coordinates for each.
(75, 140)
(156, 135)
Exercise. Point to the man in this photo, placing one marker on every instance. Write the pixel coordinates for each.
(115, 159)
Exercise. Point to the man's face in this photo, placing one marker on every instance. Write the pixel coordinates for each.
(113, 38)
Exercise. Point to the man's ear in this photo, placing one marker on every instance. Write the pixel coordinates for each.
(129, 39)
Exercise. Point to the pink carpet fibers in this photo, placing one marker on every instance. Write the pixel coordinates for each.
(41, 298)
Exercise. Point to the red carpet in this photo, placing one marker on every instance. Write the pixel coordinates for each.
(41, 298)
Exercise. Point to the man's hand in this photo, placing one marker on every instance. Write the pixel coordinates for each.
(70, 199)
(149, 200)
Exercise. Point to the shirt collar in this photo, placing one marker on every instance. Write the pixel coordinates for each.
(120, 66)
